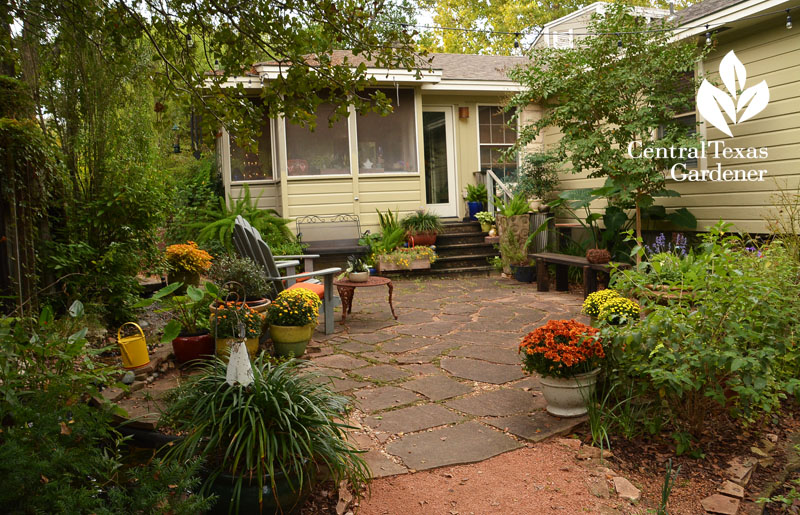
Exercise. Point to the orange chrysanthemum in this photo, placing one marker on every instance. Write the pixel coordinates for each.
(561, 348)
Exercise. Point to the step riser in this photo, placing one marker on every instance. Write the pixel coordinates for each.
(465, 251)
(456, 228)
(455, 239)
(464, 262)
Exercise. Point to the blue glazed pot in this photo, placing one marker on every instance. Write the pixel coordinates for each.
(474, 208)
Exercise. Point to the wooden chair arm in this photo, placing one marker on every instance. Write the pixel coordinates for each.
(327, 271)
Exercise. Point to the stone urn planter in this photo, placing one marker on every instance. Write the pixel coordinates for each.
(567, 397)
(520, 225)
(291, 339)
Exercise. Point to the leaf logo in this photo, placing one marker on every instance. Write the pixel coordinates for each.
(712, 102)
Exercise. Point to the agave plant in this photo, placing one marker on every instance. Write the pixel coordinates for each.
(220, 221)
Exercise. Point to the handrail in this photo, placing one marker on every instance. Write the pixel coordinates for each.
(491, 181)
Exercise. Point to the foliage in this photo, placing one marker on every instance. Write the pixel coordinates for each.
(421, 221)
(198, 186)
(589, 90)
(219, 222)
(58, 452)
(595, 300)
(511, 251)
(783, 220)
(537, 176)
(561, 348)
(283, 422)
(670, 476)
(517, 205)
(231, 317)
(187, 257)
(389, 240)
(190, 312)
(355, 264)
(295, 307)
(406, 255)
(244, 271)
(388, 221)
(792, 493)
(619, 310)
(730, 349)
(477, 193)
(485, 217)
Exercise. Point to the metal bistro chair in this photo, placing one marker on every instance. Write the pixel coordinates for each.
(248, 243)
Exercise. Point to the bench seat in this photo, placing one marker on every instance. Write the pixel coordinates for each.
(563, 262)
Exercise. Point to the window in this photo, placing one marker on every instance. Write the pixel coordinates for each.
(251, 164)
(324, 151)
(496, 137)
(686, 117)
(388, 143)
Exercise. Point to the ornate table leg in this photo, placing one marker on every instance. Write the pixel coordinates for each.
(391, 287)
(346, 294)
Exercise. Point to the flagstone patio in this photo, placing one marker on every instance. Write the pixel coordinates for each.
(442, 384)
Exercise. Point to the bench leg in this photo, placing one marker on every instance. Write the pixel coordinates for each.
(327, 303)
(589, 281)
(562, 278)
(542, 277)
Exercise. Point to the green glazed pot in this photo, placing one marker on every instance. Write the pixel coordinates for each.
(291, 339)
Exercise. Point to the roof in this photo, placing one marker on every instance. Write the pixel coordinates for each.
(704, 8)
(452, 66)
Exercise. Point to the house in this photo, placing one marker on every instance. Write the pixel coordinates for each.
(446, 125)
(767, 144)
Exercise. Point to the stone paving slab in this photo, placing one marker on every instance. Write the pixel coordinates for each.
(536, 426)
(426, 354)
(477, 370)
(377, 356)
(382, 373)
(344, 385)
(355, 347)
(423, 369)
(415, 316)
(437, 387)
(499, 403)
(376, 337)
(532, 382)
(429, 329)
(405, 344)
(488, 353)
(414, 418)
(381, 466)
(341, 361)
(481, 337)
(463, 443)
(376, 399)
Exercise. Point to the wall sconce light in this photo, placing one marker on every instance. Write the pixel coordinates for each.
(463, 113)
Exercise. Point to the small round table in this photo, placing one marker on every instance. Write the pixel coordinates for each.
(348, 288)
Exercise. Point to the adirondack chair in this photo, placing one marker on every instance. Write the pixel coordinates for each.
(249, 244)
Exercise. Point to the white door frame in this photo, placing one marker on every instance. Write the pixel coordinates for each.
(451, 208)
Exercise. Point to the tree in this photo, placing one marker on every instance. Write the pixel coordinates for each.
(604, 97)
(512, 16)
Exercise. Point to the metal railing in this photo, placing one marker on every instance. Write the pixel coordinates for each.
(493, 184)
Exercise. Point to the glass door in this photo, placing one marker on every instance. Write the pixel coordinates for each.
(439, 154)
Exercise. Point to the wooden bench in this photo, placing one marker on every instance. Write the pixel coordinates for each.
(563, 262)
(331, 236)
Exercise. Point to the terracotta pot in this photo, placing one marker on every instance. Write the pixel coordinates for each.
(567, 397)
(291, 339)
(223, 347)
(422, 238)
(598, 256)
(193, 346)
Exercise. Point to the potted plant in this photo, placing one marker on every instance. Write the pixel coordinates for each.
(186, 262)
(618, 310)
(486, 220)
(567, 356)
(477, 197)
(229, 321)
(248, 274)
(264, 444)
(537, 179)
(292, 318)
(421, 227)
(517, 257)
(189, 328)
(357, 270)
(410, 258)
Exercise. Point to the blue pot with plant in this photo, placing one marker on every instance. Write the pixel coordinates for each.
(477, 198)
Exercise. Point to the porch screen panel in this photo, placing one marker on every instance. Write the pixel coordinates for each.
(323, 151)
(387, 144)
(496, 135)
(253, 162)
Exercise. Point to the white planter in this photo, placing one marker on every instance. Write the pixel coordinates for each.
(358, 277)
(566, 397)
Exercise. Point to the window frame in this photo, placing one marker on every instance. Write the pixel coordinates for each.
(273, 154)
(478, 134)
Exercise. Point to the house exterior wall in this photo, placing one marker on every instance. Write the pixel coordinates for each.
(769, 52)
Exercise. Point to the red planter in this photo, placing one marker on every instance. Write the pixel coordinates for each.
(189, 347)
(422, 238)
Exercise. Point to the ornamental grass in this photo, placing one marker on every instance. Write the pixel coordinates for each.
(295, 307)
(188, 257)
(561, 348)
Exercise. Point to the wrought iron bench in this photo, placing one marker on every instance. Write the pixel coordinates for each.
(330, 235)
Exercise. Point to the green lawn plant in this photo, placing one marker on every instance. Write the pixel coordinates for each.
(284, 422)
(731, 351)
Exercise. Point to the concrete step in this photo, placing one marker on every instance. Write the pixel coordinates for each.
(458, 249)
(461, 227)
(463, 261)
(457, 238)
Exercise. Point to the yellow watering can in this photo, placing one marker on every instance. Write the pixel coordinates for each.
(133, 348)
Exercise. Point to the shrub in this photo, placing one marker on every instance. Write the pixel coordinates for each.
(243, 271)
(619, 310)
(538, 175)
(561, 348)
(296, 307)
